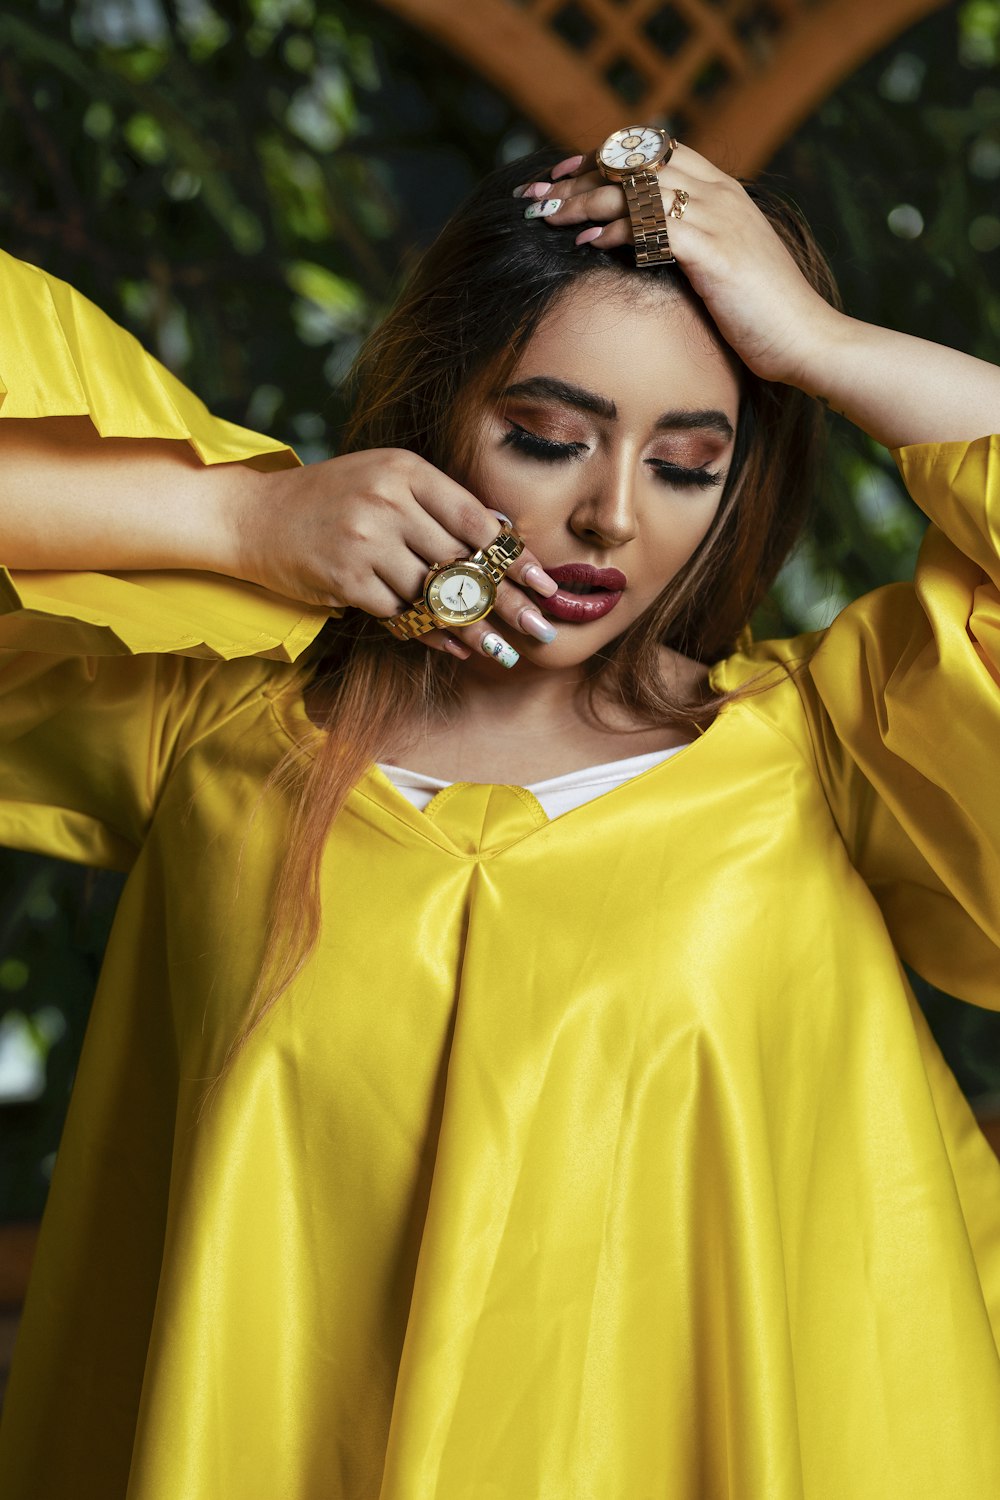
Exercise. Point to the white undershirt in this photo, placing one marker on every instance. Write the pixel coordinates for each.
(557, 795)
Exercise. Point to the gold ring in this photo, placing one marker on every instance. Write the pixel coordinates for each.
(680, 203)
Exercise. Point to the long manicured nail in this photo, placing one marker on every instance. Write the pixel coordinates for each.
(539, 580)
(564, 168)
(452, 644)
(534, 190)
(520, 190)
(543, 210)
(494, 645)
(532, 623)
(589, 235)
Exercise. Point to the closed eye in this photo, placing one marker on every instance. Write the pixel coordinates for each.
(538, 447)
(676, 474)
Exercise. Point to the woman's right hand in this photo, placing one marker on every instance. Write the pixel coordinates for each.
(363, 529)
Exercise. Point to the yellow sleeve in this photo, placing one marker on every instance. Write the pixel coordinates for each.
(87, 744)
(902, 703)
(61, 356)
(98, 696)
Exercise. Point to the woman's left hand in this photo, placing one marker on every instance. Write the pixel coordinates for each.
(759, 299)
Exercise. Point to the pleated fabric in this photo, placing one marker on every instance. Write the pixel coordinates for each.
(60, 356)
(606, 1157)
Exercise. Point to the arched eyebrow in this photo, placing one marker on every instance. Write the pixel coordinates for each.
(549, 388)
(712, 420)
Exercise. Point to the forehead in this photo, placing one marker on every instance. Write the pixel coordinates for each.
(643, 348)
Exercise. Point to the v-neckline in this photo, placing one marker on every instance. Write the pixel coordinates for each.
(375, 788)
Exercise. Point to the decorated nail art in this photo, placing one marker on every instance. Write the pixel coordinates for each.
(494, 645)
(543, 210)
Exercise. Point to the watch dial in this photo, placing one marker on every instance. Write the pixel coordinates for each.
(459, 593)
(634, 147)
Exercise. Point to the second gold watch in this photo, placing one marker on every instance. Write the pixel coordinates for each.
(630, 157)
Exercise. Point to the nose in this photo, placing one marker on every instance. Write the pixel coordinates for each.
(606, 512)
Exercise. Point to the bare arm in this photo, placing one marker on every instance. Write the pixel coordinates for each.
(71, 499)
(361, 529)
(900, 389)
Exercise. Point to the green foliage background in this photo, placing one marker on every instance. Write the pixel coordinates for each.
(244, 186)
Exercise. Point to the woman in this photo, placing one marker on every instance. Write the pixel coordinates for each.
(543, 1110)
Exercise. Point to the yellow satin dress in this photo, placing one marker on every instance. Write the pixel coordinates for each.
(600, 1158)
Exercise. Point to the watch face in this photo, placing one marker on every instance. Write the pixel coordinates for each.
(633, 148)
(459, 594)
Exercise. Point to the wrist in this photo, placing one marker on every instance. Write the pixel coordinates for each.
(816, 366)
(233, 522)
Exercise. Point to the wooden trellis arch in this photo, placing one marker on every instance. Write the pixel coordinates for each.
(731, 77)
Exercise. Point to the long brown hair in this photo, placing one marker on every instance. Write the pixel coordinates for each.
(459, 327)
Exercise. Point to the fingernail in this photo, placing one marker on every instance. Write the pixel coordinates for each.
(563, 168)
(455, 646)
(532, 623)
(494, 645)
(538, 580)
(589, 234)
(520, 190)
(536, 189)
(543, 210)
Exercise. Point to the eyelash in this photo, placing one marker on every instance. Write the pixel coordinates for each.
(551, 452)
(539, 447)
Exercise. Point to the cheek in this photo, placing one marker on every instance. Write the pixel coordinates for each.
(679, 531)
(528, 492)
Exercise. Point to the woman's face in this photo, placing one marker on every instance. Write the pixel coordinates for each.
(609, 446)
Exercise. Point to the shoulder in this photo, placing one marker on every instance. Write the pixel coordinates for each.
(224, 706)
(771, 680)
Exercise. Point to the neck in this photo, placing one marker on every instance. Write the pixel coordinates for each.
(528, 699)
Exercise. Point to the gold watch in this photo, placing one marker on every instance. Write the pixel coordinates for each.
(630, 157)
(460, 592)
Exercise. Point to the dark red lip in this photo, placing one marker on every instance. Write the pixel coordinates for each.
(578, 609)
(602, 578)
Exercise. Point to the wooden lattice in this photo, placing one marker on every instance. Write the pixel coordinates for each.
(731, 77)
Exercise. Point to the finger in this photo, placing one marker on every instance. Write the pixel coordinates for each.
(446, 641)
(485, 640)
(431, 541)
(597, 204)
(474, 525)
(543, 187)
(574, 186)
(585, 162)
(566, 168)
(538, 189)
(607, 236)
(434, 544)
(686, 159)
(519, 611)
(399, 583)
(488, 640)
